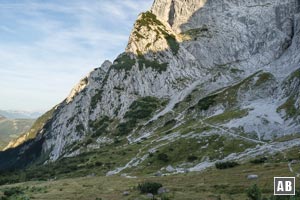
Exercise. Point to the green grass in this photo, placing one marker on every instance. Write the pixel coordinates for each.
(211, 184)
(182, 150)
(228, 96)
(73, 182)
(227, 116)
(289, 107)
(263, 78)
(295, 74)
(93, 162)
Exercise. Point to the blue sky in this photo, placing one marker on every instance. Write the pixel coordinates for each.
(46, 46)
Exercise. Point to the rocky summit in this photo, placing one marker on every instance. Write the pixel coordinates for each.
(200, 82)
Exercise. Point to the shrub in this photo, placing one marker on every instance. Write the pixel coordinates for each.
(79, 128)
(163, 157)
(171, 122)
(206, 102)
(259, 160)
(99, 126)
(96, 98)
(254, 193)
(225, 165)
(140, 109)
(192, 158)
(143, 62)
(126, 127)
(149, 187)
(148, 19)
(12, 191)
(123, 62)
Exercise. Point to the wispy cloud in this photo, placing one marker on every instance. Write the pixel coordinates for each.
(45, 48)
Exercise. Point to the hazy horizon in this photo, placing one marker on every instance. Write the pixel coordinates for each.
(46, 48)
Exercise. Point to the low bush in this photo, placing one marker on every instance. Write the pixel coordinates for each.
(192, 158)
(149, 187)
(225, 165)
(163, 157)
(254, 193)
(259, 160)
(12, 191)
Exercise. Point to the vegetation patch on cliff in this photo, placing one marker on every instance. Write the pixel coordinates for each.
(141, 109)
(143, 62)
(123, 62)
(100, 126)
(96, 98)
(150, 21)
(147, 19)
(288, 107)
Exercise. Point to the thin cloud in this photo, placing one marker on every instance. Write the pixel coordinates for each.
(45, 48)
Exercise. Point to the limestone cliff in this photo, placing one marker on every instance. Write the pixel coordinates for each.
(241, 56)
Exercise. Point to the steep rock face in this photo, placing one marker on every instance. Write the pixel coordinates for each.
(176, 13)
(245, 48)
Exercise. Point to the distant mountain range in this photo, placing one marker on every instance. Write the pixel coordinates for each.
(12, 128)
(16, 114)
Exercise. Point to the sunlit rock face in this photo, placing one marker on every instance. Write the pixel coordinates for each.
(176, 13)
(183, 44)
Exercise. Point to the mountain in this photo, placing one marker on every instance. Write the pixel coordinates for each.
(201, 82)
(14, 114)
(11, 129)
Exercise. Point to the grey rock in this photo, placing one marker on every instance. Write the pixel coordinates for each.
(159, 173)
(252, 176)
(294, 162)
(162, 190)
(170, 169)
(126, 193)
(150, 196)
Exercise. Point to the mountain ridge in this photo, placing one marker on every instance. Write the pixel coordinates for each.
(16, 114)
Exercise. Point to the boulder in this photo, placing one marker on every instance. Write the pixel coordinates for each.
(252, 176)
